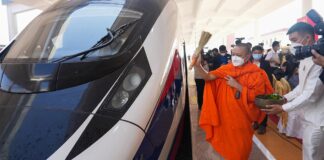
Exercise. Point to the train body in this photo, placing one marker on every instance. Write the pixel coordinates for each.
(94, 79)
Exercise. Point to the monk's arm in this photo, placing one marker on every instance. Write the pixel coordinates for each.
(203, 73)
(257, 89)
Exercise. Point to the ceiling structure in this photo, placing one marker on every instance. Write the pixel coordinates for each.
(220, 17)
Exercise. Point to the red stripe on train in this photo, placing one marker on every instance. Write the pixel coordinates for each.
(172, 74)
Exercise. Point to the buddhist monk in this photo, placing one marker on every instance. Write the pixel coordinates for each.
(228, 110)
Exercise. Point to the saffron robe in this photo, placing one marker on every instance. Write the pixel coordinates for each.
(227, 120)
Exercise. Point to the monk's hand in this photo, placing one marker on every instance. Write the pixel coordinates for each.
(198, 60)
(273, 109)
(233, 83)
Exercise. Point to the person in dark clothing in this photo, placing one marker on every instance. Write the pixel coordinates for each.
(289, 65)
(215, 51)
(257, 56)
(221, 58)
(322, 77)
(210, 56)
(319, 60)
(261, 44)
(291, 73)
(212, 60)
(249, 44)
(215, 65)
(265, 65)
(224, 56)
(200, 83)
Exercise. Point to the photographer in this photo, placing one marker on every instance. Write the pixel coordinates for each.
(319, 60)
(308, 95)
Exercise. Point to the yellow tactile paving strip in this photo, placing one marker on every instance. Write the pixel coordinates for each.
(280, 146)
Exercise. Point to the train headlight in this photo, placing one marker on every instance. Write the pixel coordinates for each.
(119, 99)
(132, 81)
(129, 85)
(127, 89)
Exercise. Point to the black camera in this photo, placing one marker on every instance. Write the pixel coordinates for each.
(305, 51)
(239, 40)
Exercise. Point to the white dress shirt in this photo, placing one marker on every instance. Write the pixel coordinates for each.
(309, 94)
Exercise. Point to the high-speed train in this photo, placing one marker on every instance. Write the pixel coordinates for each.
(94, 79)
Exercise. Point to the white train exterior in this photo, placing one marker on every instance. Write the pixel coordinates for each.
(66, 95)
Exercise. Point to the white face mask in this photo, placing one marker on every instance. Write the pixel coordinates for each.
(237, 61)
(292, 47)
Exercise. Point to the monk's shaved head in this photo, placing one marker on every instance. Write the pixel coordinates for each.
(245, 47)
(241, 50)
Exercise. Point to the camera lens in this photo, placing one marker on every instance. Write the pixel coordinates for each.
(298, 53)
(307, 50)
(303, 52)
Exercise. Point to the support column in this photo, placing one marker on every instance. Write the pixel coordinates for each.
(12, 10)
(11, 22)
(4, 29)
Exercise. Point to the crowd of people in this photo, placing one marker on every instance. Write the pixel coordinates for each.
(228, 81)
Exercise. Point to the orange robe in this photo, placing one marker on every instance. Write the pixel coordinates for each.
(226, 120)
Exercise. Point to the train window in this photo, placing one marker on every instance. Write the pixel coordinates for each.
(65, 31)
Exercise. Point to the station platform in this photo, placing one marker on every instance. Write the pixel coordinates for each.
(270, 146)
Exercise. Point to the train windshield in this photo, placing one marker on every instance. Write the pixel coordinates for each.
(66, 31)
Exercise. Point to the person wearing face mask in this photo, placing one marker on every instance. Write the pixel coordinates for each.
(222, 57)
(225, 57)
(258, 59)
(308, 95)
(257, 54)
(228, 110)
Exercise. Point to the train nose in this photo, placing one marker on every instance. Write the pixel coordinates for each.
(36, 133)
(34, 126)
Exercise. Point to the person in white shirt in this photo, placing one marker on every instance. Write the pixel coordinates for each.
(308, 95)
(273, 55)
